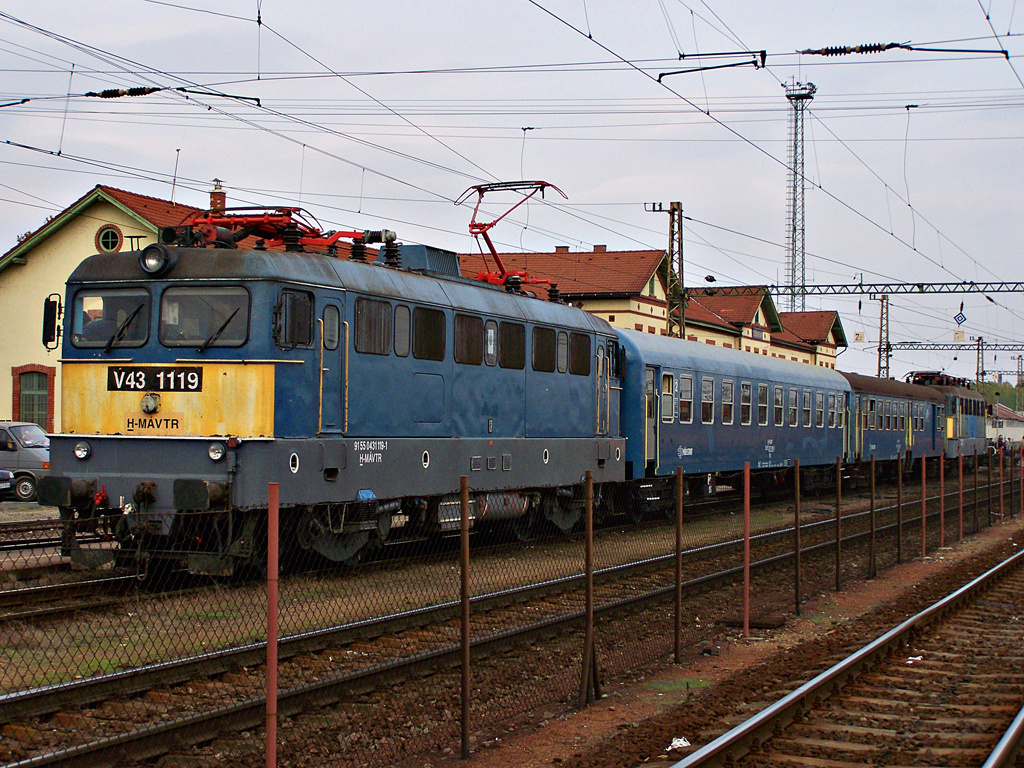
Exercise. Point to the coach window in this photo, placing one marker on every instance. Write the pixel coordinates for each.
(579, 354)
(793, 414)
(469, 340)
(686, 399)
(707, 401)
(562, 352)
(373, 327)
(745, 395)
(807, 408)
(544, 349)
(403, 330)
(831, 410)
(728, 402)
(840, 411)
(490, 342)
(667, 397)
(428, 331)
(512, 346)
(903, 417)
(207, 316)
(819, 409)
(869, 417)
(762, 404)
(779, 405)
(332, 326)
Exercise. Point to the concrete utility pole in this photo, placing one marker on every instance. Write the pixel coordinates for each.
(676, 291)
(799, 96)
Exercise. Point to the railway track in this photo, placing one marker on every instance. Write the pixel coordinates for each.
(107, 717)
(943, 688)
(51, 601)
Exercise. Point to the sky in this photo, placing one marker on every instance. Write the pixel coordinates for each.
(380, 115)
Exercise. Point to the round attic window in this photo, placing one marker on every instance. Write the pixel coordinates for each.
(109, 239)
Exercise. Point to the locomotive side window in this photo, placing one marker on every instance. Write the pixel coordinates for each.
(668, 385)
(745, 395)
(373, 327)
(792, 408)
(762, 405)
(293, 319)
(728, 402)
(807, 408)
(215, 317)
(428, 329)
(490, 342)
(562, 352)
(100, 315)
(778, 406)
(469, 340)
(544, 350)
(707, 401)
(686, 399)
(613, 359)
(579, 354)
(512, 346)
(819, 409)
(403, 330)
(332, 326)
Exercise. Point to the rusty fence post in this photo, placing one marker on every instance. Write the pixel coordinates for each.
(899, 509)
(273, 510)
(796, 531)
(924, 506)
(960, 487)
(975, 490)
(871, 541)
(839, 522)
(989, 484)
(464, 613)
(746, 549)
(942, 499)
(680, 486)
(1002, 491)
(590, 687)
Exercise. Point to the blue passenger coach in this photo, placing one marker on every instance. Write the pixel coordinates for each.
(709, 410)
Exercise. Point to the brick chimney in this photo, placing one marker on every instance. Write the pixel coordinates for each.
(561, 249)
(218, 197)
(600, 249)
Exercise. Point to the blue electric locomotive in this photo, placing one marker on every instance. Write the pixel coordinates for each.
(365, 390)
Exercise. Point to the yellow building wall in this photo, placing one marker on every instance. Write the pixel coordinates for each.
(24, 288)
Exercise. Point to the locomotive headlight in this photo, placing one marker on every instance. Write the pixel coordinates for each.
(215, 451)
(83, 450)
(156, 259)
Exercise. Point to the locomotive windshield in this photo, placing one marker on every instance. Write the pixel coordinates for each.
(111, 318)
(201, 317)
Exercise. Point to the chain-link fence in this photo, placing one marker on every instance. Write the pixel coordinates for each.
(430, 647)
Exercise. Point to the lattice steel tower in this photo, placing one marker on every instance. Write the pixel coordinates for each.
(799, 96)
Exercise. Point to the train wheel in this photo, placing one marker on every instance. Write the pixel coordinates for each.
(315, 533)
(524, 527)
(564, 512)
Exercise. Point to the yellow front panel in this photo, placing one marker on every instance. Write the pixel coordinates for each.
(950, 428)
(234, 399)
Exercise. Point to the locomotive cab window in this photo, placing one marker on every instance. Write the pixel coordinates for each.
(118, 317)
(207, 317)
(293, 319)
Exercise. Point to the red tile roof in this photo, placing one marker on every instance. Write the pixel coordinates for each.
(813, 327)
(577, 273)
(734, 308)
(159, 213)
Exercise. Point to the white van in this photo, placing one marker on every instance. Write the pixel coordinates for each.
(25, 451)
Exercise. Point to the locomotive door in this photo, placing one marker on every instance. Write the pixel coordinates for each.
(651, 431)
(332, 368)
(603, 385)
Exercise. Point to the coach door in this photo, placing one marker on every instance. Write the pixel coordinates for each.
(651, 432)
(332, 368)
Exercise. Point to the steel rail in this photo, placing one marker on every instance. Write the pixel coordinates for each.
(733, 744)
